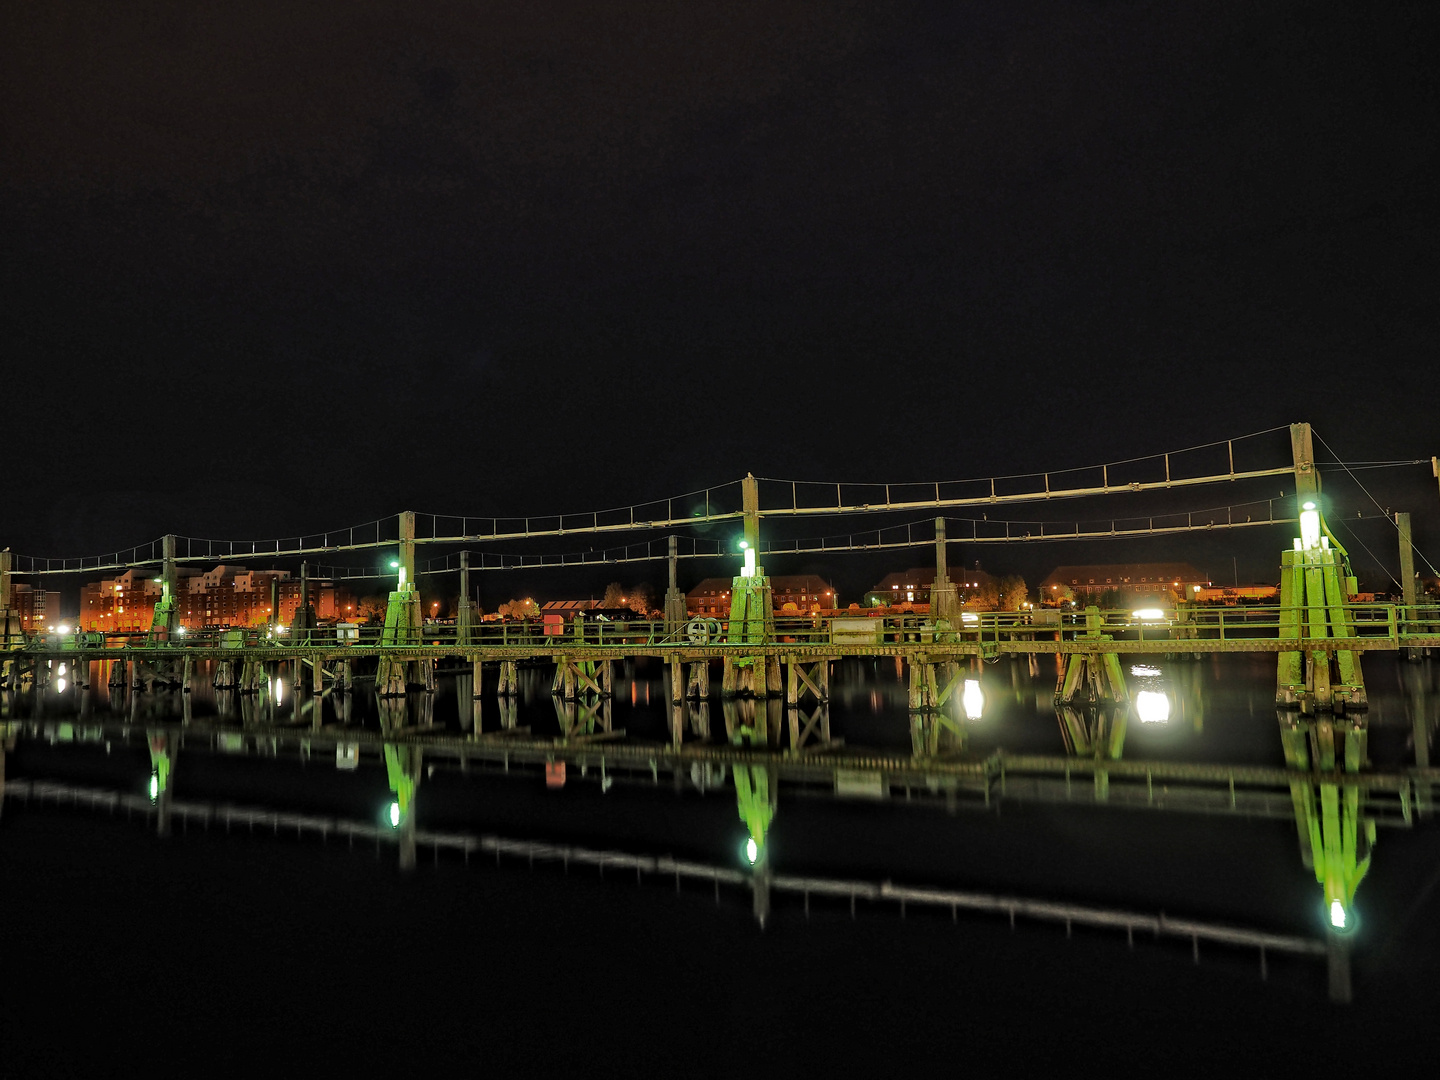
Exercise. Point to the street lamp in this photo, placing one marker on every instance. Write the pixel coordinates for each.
(749, 568)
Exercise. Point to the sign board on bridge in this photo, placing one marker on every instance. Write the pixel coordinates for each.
(855, 631)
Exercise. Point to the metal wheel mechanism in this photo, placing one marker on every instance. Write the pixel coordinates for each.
(700, 631)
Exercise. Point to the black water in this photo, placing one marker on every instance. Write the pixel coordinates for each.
(203, 950)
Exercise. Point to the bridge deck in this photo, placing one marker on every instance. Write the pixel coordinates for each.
(1373, 627)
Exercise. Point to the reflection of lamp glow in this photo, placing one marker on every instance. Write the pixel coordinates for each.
(1152, 707)
(394, 815)
(1309, 527)
(969, 616)
(749, 570)
(752, 850)
(1144, 670)
(1337, 914)
(60, 686)
(154, 786)
(1149, 613)
(972, 699)
(279, 691)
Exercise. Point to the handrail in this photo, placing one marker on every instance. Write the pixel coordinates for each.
(1374, 623)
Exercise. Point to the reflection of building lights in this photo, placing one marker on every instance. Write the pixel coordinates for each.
(752, 850)
(1152, 707)
(972, 699)
(1337, 914)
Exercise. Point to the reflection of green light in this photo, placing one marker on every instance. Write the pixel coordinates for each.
(752, 850)
(1337, 914)
(394, 815)
(154, 786)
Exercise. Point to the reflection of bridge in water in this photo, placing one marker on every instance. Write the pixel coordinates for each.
(775, 679)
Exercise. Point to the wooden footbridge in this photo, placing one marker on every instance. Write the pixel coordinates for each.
(1317, 631)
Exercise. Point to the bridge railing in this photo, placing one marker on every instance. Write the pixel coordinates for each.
(1398, 625)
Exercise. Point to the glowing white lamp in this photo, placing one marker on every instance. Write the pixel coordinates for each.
(972, 699)
(1152, 707)
(1309, 526)
(1337, 914)
(1148, 614)
(154, 786)
(752, 850)
(394, 815)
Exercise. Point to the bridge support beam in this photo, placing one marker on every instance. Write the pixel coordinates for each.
(813, 678)
(1327, 678)
(465, 613)
(1407, 622)
(752, 612)
(675, 614)
(697, 687)
(509, 684)
(944, 598)
(1314, 585)
(403, 624)
(1092, 677)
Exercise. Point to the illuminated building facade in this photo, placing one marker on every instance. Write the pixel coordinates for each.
(1132, 582)
(223, 596)
(789, 593)
(913, 586)
(36, 608)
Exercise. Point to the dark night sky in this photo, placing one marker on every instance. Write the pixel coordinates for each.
(271, 268)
